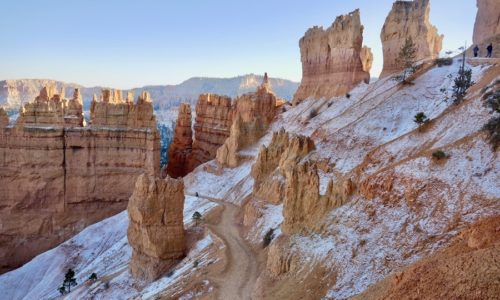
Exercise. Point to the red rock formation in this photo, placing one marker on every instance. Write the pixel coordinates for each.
(182, 145)
(409, 19)
(331, 59)
(4, 118)
(115, 112)
(253, 113)
(284, 151)
(71, 175)
(487, 27)
(487, 20)
(50, 108)
(211, 128)
(156, 227)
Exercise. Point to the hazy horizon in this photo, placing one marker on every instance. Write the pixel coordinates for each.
(128, 44)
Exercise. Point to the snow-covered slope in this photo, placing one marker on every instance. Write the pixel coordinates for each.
(405, 206)
(103, 249)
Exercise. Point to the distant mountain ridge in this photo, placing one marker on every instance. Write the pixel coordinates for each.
(14, 93)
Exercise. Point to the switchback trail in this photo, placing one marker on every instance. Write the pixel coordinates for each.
(238, 278)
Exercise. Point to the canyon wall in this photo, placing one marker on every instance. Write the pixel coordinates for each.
(409, 19)
(487, 20)
(156, 227)
(487, 27)
(214, 116)
(333, 61)
(222, 128)
(181, 148)
(57, 176)
(252, 113)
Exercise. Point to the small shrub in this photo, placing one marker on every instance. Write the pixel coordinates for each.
(421, 118)
(93, 277)
(268, 238)
(439, 154)
(171, 273)
(313, 113)
(444, 61)
(493, 130)
(348, 95)
(195, 264)
(493, 101)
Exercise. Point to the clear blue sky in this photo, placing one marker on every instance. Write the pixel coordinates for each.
(125, 43)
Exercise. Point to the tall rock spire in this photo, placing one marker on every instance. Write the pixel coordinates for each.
(331, 59)
(409, 19)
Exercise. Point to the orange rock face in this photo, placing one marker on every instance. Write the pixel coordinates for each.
(253, 112)
(71, 175)
(284, 151)
(181, 148)
(332, 62)
(4, 118)
(409, 19)
(156, 227)
(211, 128)
(50, 108)
(487, 20)
(115, 112)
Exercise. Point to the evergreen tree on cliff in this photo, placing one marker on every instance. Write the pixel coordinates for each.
(69, 281)
(406, 60)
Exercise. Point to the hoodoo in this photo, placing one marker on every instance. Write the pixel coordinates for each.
(181, 148)
(409, 19)
(213, 121)
(333, 60)
(156, 228)
(253, 113)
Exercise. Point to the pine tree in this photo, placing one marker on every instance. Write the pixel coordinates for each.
(406, 60)
(463, 82)
(196, 217)
(69, 281)
(421, 118)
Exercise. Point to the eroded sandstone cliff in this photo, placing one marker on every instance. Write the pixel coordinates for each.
(333, 61)
(214, 117)
(284, 151)
(181, 148)
(409, 19)
(156, 228)
(487, 20)
(51, 108)
(58, 176)
(252, 115)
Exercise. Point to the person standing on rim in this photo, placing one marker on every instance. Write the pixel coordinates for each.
(490, 50)
(476, 51)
